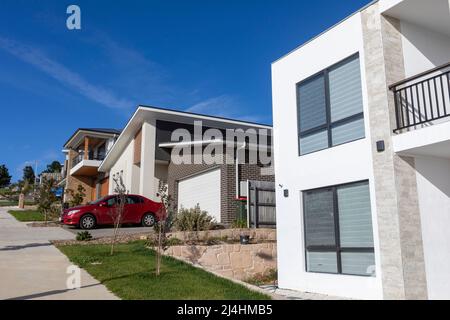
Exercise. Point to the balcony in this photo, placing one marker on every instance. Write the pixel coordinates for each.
(422, 100)
(86, 165)
(422, 110)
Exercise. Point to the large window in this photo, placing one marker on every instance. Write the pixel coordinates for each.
(330, 108)
(338, 230)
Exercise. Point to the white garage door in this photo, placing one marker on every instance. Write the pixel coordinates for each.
(203, 189)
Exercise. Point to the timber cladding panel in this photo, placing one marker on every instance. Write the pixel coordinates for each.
(137, 147)
(104, 187)
(228, 205)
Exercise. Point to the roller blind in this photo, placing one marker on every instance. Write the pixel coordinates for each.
(355, 218)
(319, 215)
(311, 95)
(345, 90)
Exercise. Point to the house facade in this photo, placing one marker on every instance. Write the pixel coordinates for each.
(362, 155)
(143, 156)
(85, 150)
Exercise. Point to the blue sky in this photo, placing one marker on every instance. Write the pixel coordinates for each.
(208, 56)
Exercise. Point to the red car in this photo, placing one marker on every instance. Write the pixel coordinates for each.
(137, 209)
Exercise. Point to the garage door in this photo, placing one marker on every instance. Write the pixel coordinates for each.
(203, 189)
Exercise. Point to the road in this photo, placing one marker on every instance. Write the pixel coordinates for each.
(32, 268)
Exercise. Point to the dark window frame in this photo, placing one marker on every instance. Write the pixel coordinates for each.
(329, 125)
(337, 249)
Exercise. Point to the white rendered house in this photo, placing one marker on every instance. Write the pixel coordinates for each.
(362, 155)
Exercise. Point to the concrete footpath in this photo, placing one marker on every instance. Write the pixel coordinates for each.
(32, 268)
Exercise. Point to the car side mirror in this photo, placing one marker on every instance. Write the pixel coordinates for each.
(103, 204)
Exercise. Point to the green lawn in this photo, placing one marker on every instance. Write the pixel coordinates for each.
(7, 203)
(4, 203)
(130, 274)
(27, 215)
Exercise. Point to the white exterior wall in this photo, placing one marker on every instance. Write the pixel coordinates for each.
(423, 49)
(123, 164)
(161, 171)
(147, 185)
(342, 164)
(433, 184)
(139, 179)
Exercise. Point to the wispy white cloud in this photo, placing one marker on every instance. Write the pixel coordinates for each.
(142, 78)
(219, 106)
(226, 106)
(64, 75)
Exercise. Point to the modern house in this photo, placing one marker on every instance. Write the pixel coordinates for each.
(146, 153)
(85, 151)
(362, 155)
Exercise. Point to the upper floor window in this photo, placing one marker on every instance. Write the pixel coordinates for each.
(330, 107)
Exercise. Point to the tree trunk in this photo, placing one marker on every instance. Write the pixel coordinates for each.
(158, 253)
(114, 239)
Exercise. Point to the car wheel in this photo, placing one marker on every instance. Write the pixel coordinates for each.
(148, 220)
(87, 222)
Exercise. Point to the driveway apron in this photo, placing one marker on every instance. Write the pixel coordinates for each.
(32, 268)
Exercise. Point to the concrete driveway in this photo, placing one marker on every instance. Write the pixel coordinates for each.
(32, 268)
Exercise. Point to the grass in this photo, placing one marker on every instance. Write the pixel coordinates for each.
(27, 215)
(130, 274)
(8, 203)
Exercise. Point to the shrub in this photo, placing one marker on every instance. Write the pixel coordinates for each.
(172, 241)
(269, 277)
(239, 224)
(193, 219)
(84, 236)
(168, 242)
(76, 197)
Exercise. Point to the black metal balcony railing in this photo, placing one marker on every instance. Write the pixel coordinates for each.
(422, 99)
(80, 157)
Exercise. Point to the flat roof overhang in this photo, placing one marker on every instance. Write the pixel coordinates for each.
(87, 168)
(433, 15)
(78, 137)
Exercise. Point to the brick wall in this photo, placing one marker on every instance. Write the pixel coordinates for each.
(228, 205)
(72, 182)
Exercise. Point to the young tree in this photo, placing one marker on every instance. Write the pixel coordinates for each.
(76, 197)
(47, 198)
(163, 225)
(117, 212)
(28, 175)
(5, 178)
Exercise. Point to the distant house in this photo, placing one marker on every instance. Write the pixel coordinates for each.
(142, 157)
(362, 155)
(85, 150)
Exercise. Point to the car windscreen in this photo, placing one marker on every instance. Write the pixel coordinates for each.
(98, 200)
